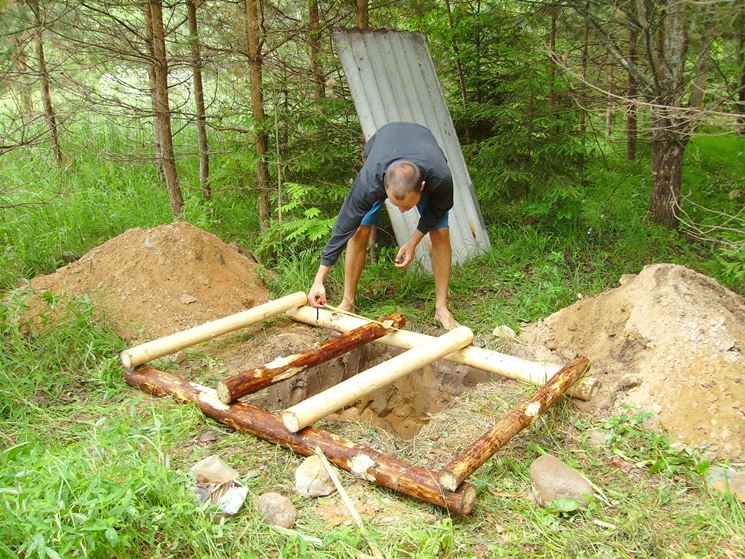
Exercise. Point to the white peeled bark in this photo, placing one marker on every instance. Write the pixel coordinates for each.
(318, 406)
(163, 346)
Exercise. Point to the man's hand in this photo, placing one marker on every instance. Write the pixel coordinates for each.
(317, 295)
(405, 256)
(406, 253)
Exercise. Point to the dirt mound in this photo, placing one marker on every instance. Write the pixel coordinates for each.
(667, 341)
(152, 282)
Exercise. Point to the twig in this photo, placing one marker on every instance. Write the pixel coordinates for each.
(348, 502)
(296, 534)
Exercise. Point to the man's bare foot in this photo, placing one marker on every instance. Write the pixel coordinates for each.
(346, 305)
(444, 317)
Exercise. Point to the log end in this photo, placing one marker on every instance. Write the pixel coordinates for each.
(223, 393)
(585, 389)
(126, 359)
(468, 500)
(448, 480)
(291, 421)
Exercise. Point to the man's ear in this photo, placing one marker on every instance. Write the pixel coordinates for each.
(421, 187)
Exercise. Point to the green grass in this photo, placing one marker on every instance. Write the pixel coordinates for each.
(92, 468)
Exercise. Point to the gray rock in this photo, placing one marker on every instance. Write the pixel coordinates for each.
(312, 479)
(727, 481)
(553, 479)
(277, 510)
(600, 438)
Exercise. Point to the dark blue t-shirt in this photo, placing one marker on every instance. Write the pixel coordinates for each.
(393, 142)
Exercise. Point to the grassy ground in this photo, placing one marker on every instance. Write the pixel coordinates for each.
(92, 468)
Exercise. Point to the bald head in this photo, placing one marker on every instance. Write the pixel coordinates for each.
(402, 178)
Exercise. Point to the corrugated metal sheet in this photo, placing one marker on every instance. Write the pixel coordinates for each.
(392, 78)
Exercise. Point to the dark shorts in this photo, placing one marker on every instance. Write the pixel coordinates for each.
(373, 216)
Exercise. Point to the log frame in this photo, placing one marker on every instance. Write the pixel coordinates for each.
(361, 460)
(446, 488)
(252, 380)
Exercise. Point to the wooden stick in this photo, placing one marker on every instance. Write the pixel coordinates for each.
(348, 502)
(472, 458)
(361, 460)
(286, 367)
(487, 360)
(318, 406)
(163, 346)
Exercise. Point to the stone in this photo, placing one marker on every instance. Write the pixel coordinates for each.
(504, 331)
(600, 438)
(727, 481)
(553, 479)
(276, 510)
(187, 298)
(312, 479)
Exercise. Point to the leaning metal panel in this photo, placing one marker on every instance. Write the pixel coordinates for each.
(392, 78)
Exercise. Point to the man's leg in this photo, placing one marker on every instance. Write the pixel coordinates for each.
(354, 261)
(441, 256)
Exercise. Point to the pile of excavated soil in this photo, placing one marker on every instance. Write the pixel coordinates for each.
(153, 282)
(668, 341)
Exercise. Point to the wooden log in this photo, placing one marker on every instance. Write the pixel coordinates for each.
(361, 460)
(472, 458)
(163, 346)
(485, 359)
(326, 402)
(283, 368)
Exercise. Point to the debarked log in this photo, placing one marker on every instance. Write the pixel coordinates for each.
(314, 408)
(361, 460)
(283, 368)
(179, 340)
(485, 359)
(472, 458)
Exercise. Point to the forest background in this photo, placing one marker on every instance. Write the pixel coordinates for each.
(600, 137)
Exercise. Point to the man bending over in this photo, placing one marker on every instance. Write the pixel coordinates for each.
(404, 164)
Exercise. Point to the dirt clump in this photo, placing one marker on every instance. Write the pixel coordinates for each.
(667, 341)
(153, 282)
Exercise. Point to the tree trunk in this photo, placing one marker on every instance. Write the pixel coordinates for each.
(609, 108)
(196, 68)
(153, 86)
(24, 72)
(667, 165)
(631, 124)
(362, 11)
(314, 42)
(163, 109)
(583, 93)
(257, 107)
(740, 44)
(46, 92)
(552, 70)
(459, 69)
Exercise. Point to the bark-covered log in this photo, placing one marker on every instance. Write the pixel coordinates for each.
(361, 460)
(283, 368)
(472, 458)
